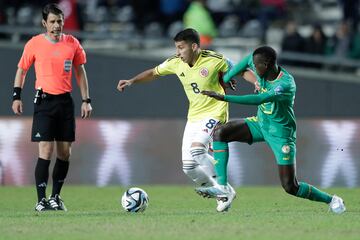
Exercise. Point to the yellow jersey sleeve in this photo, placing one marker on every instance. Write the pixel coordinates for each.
(168, 67)
(225, 65)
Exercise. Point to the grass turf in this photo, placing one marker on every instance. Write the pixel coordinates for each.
(176, 212)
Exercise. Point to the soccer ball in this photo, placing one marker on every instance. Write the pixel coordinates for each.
(135, 200)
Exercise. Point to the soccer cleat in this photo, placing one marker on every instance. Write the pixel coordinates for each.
(43, 205)
(337, 205)
(224, 203)
(223, 194)
(211, 192)
(57, 203)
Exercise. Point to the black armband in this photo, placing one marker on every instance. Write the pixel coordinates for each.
(88, 100)
(17, 93)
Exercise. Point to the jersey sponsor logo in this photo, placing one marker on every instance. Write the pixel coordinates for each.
(67, 65)
(204, 72)
(285, 149)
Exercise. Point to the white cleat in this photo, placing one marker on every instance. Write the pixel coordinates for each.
(224, 202)
(224, 195)
(337, 205)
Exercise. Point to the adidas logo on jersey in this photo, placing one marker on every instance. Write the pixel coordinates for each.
(182, 74)
(38, 135)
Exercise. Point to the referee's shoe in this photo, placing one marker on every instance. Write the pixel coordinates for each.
(57, 203)
(43, 205)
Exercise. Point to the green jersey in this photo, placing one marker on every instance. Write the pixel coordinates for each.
(275, 100)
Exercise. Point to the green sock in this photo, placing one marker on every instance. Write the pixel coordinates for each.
(312, 193)
(221, 156)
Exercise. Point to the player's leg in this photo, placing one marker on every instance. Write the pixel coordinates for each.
(60, 171)
(199, 149)
(300, 189)
(199, 154)
(201, 174)
(42, 132)
(307, 191)
(285, 152)
(61, 166)
(65, 135)
(42, 174)
(237, 130)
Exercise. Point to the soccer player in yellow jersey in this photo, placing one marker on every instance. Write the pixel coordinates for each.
(197, 70)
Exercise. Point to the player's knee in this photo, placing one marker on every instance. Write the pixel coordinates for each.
(63, 155)
(219, 135)
(290, 187)
(45, 150)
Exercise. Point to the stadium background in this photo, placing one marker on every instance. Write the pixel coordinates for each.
(135, 137)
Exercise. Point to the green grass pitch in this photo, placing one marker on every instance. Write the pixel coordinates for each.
(176, 212)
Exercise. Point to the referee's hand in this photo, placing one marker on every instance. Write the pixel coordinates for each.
(86, 110)
(17, 107)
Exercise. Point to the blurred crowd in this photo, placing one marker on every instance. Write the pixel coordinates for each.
(229, 16)
(212, 18)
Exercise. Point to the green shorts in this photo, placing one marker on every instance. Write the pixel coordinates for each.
(284, 149)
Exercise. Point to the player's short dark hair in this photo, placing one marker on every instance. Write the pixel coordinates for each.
(188, 35)
(268, 53)
(51, 8)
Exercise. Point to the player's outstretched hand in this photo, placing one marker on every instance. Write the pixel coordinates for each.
(122, 84)
(213, 95)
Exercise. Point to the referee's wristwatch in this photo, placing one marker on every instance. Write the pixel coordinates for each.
(88, 100)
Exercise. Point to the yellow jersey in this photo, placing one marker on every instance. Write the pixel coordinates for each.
(206, 74)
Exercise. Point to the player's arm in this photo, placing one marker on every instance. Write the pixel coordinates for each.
(143, 77)
(250, 77)
(19, 81)
(237, 69)
(251, 99)
(81, 77)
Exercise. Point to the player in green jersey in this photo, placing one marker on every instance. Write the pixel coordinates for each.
(197, 70)
(275, 124)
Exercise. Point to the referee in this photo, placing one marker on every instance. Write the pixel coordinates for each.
(54, 55)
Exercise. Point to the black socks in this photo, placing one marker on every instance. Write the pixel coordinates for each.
(41, 177)
(59, 174)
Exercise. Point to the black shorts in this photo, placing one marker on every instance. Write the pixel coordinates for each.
(54, 119)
